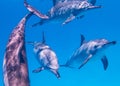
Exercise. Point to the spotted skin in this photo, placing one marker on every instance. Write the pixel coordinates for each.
(46, 57)
(15, 69)
(63, 11)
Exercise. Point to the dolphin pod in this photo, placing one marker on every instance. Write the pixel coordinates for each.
(15, 68)
(46, 57)
(63, 11)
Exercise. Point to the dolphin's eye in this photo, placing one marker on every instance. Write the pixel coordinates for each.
(95, 46)
(35, 47)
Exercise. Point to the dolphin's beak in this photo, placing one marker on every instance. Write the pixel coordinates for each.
(109, 43)
(112, 42)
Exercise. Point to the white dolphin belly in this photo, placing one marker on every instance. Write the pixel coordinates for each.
(48, 59)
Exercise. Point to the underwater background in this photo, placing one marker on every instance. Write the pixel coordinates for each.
(98, 23)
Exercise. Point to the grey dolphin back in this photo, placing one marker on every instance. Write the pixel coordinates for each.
(15, 68)
(91, 1)
(58, 1)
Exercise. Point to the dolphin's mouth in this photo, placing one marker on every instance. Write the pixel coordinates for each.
(113, 42)
(108, 44)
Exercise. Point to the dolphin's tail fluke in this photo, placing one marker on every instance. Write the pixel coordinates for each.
(35, 11)
(65, 65)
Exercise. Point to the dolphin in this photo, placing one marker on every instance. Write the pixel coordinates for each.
(63, 11)
(15, 68)
(46, 57)
(90, 50)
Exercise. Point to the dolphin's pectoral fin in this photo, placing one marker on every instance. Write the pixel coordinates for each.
(86, 60)
(82, 39)
(80, 17)
(69, 19)
(105, 62)
(55, 72)
(36, 12)
(38, 70)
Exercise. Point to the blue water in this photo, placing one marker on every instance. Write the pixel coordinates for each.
(99, 23)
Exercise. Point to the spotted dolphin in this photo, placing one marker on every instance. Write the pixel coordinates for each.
(63, 11)
(46, 57)
(90, 50)
(15, 68)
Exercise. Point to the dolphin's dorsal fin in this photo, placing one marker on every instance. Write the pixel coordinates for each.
(43, 38)
(105, 62)
(57, 1)
(82, 39)
(93, 2)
